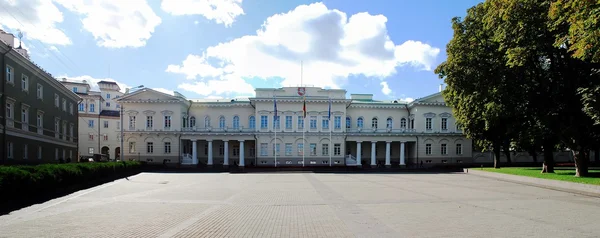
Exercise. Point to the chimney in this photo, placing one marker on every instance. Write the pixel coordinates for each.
(441, 87)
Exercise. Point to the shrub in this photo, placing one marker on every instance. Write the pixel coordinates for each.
(26, 182)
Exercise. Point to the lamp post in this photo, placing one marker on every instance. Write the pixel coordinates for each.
(122, 152)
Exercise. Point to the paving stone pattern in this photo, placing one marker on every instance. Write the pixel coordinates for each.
(309, 205)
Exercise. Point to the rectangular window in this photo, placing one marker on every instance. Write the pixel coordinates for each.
(39, 152)
(313, 149)
(71, 126)
(264, 122)
(9, 150)
(443, 149)
(131, 147)
(108, 95)
(150, 147)
(40, 91)
(325, 124)
(427, 149)
(337, 149)
(10, 75)
(149, 122)
(81, 107)
(459, 149)
(276, 149)
(25, 83)
(9, 110)
(167, 122)
(64, 129)
(444, 124)
(90, 150)
(105, 137)
(91, 123)
(107, 104)
(236, 150)
(288, 122)
(337, 122)
(64, 105)
(313, 122)
(91, 136)
(288, 149)
(131, 122)
(300, 122)
(24, 114)
(74, 89)
(71, 108)
(167, 147)
(92, 107)
(40, 120)
(403, 123)
(25, 150)
(428, 123)
(263, 149)
(300, 149)
(105, 124)
(325, 149)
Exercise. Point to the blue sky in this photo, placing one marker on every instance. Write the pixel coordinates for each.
(227, 48)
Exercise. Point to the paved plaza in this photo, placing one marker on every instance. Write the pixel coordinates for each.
(309, 205)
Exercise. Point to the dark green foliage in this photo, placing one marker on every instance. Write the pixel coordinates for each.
(27, 182)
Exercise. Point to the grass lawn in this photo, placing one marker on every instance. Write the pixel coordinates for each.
(563, 174)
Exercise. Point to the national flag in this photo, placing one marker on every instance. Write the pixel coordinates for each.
(329, 115)
(275, 107)
(304, 108)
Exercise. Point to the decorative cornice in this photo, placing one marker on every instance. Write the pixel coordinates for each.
(429, 115)
(445, 115)
(149, 113)
(365, 105)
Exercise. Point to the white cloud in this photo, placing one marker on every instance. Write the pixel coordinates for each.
(221, 11)
(331, 45)
(407, 99)
(385, 88)
(53, 48)
(93, 81)
(37, 19)
(228, 85)
(116, 24)
(196, 22)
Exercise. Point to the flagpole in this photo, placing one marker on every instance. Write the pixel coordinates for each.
(330, 129)
(275, 128)
(303, 114)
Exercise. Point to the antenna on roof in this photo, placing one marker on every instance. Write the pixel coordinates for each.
(20, 35)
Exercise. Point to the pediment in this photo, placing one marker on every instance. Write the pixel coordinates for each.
(148, 94)
(433, 98)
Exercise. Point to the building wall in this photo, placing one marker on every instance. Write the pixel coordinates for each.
(24, 129)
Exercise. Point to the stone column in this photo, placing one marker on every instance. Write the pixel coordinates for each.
(373, 159)
(226, 155)
(358, 152)
(387, 154)
(194, 152)
(241, 154)
(210, 153)
(402, 153)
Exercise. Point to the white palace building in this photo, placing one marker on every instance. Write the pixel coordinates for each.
(163, 128)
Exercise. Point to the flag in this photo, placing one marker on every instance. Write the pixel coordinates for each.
(329, 115)
(304, 108)
(275, 107)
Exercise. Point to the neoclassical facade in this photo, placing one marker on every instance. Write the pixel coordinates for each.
(234, 132)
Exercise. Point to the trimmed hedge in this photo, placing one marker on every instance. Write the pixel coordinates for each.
(26, 182)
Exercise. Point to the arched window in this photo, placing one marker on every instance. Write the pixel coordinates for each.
(359, 122)
(207, 122)
(236, 122)
(222, 122)
(389, 123)
(348, 122)
(374, 123)
(252, 122)
(403, 123)
(192, 121)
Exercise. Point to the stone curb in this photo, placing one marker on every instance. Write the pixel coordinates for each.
(583, 189)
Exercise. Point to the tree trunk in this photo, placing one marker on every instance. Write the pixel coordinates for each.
(533, 155)
(582, 159)
(496, 152)
(506, 149)
(548, 166)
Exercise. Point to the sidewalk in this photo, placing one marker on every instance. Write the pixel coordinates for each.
(579, 188)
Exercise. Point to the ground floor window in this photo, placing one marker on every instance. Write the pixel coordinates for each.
(443, 149)
(300, 149)
(325, 149)
(236, 150)
(263, 149)
(337, 149)
(150, 147)
(167, 147)
(9, 150)
(313, 149)
(427, 149)
(25, 155)
(131, 147)
(288, 149)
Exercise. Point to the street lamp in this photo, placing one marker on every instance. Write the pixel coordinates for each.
(122, 152)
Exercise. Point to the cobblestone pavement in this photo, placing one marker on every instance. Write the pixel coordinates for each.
(309, 205)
